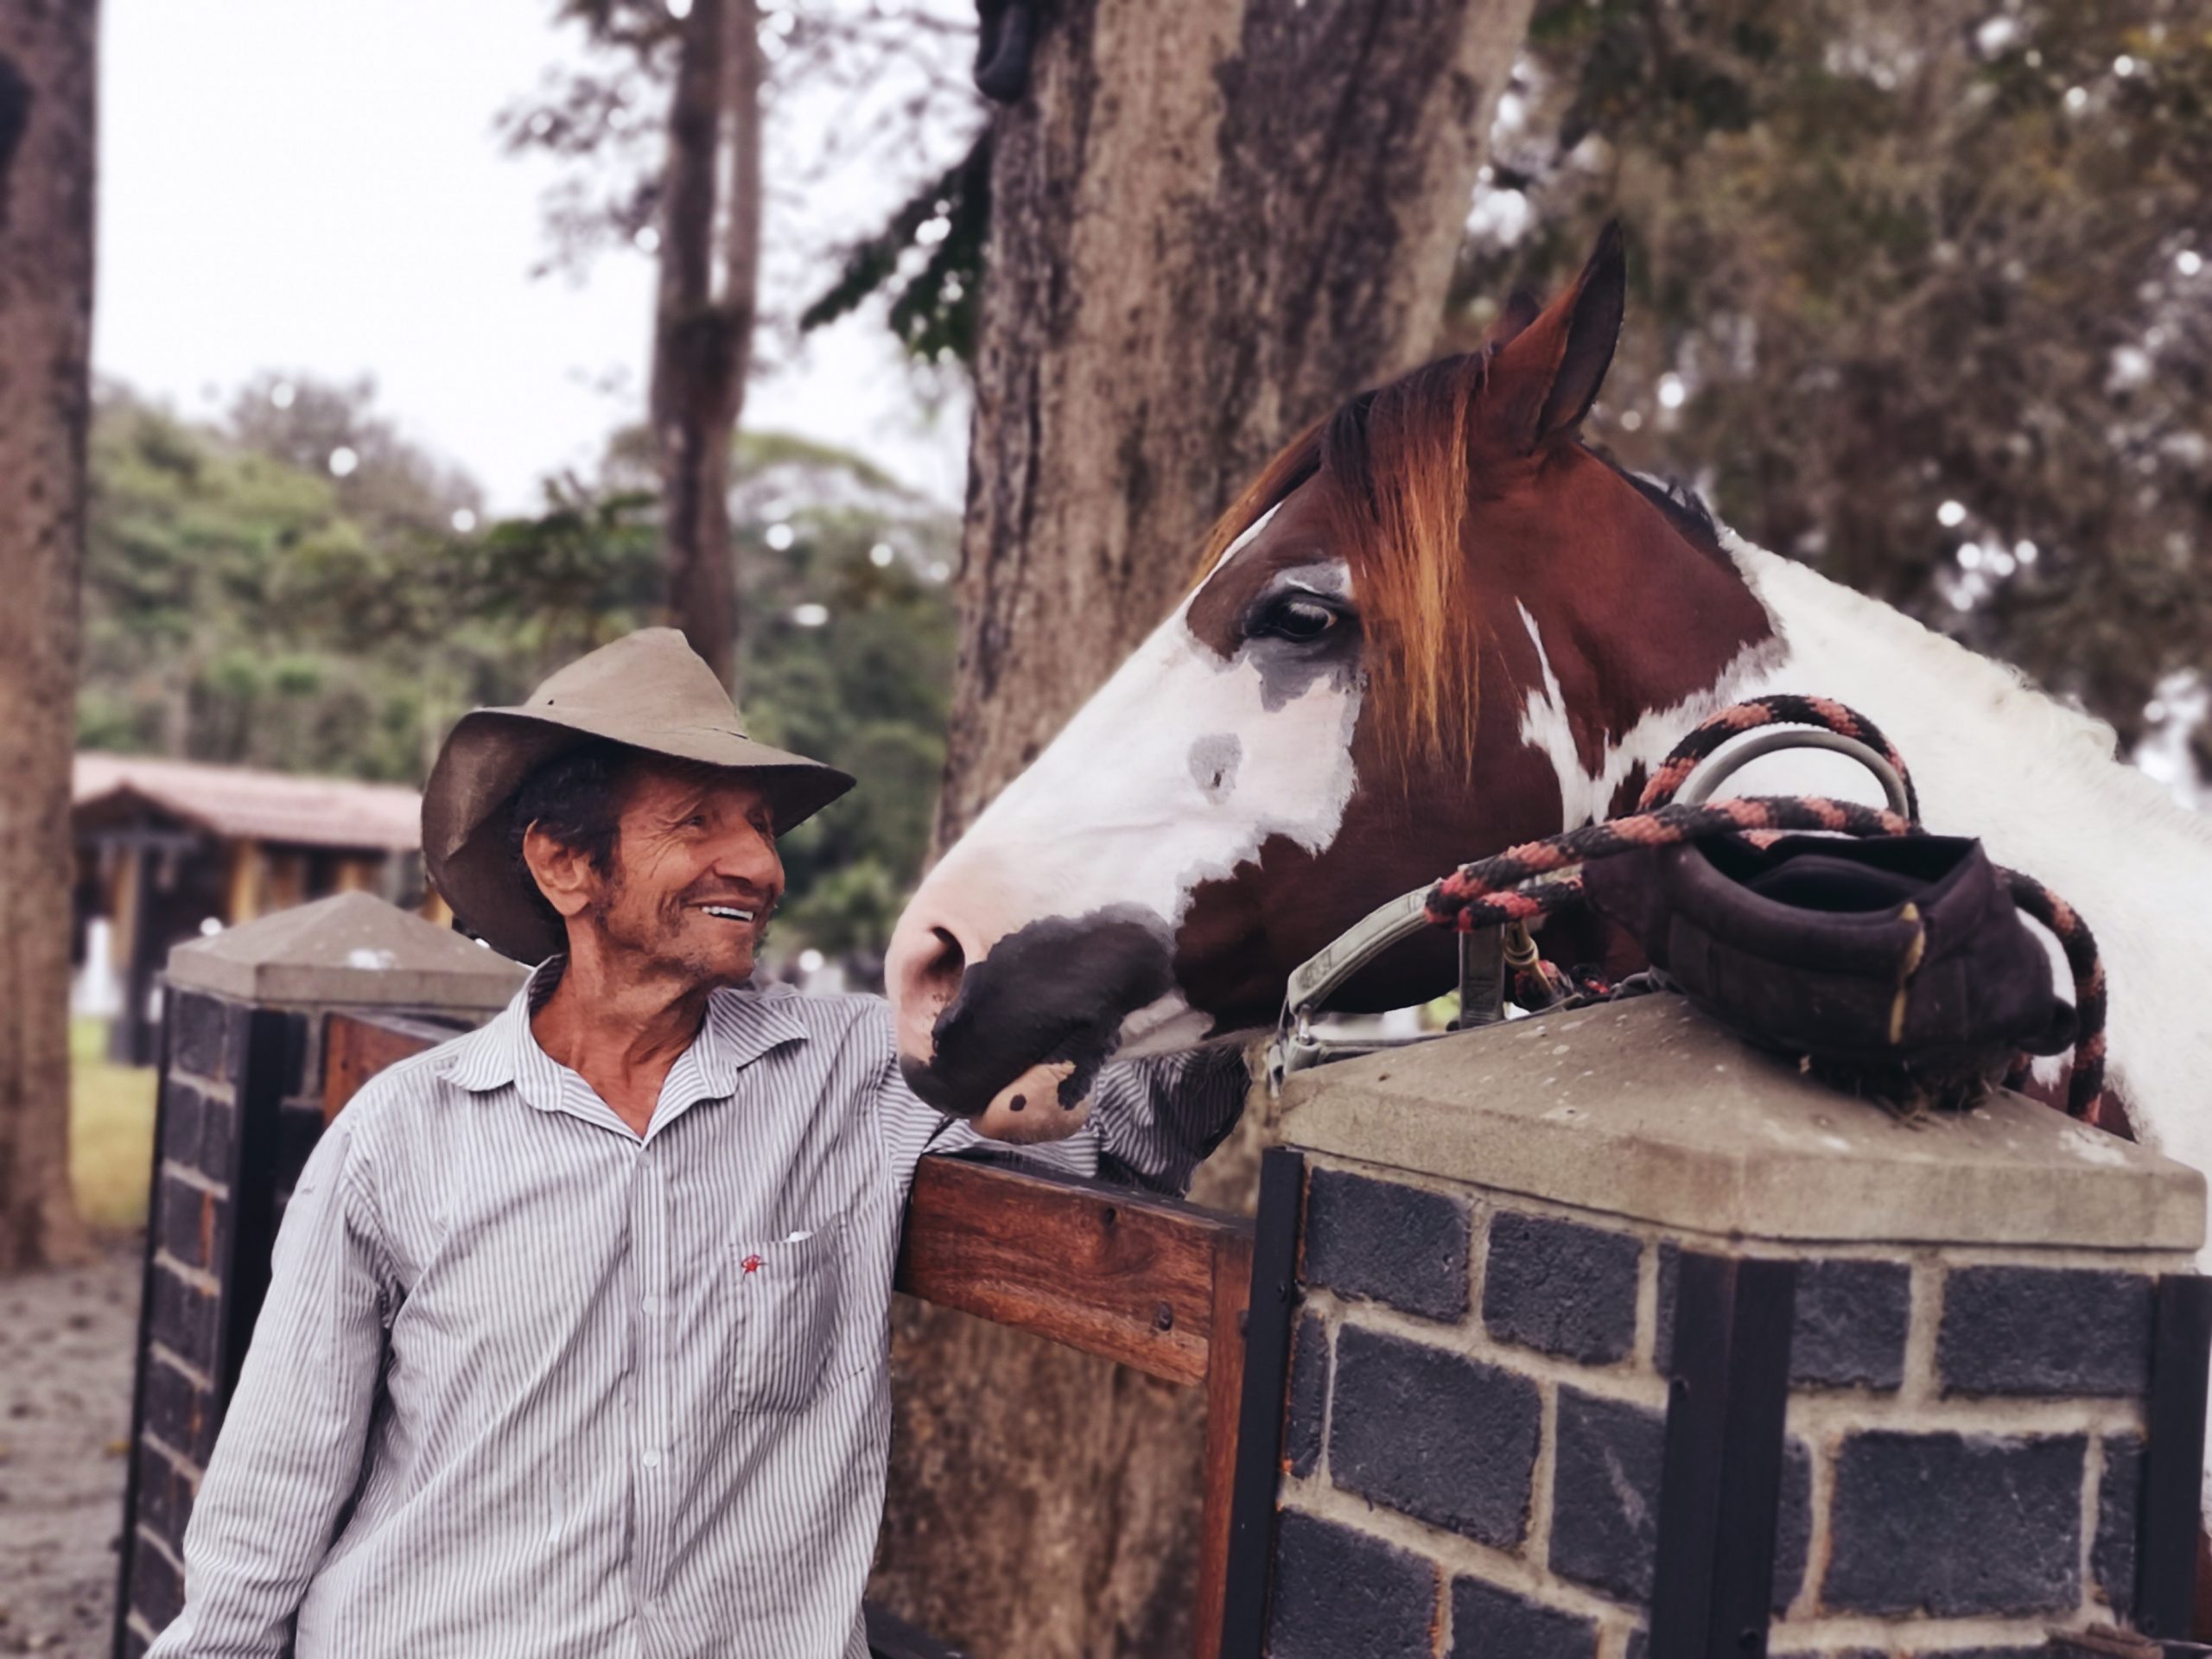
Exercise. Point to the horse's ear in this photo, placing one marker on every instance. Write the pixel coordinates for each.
(1543, 379)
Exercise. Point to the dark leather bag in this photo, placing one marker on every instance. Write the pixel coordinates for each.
(1893, 961)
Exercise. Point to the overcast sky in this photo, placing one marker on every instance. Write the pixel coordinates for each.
(314, 188)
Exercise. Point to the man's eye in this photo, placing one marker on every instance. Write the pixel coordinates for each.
(1298, 617)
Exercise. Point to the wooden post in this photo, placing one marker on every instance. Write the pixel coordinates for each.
(126, 1038)
(1240, 1502)
(243, 903)
(123, 883)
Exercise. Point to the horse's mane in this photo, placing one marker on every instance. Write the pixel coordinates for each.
(1399, 454)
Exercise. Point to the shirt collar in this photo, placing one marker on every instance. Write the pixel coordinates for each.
(740, 1026)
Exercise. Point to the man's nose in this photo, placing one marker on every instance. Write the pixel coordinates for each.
(750, 856)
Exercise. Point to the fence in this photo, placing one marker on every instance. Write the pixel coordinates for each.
(1597, 1336)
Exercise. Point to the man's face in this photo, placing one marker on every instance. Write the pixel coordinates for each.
(695, 879)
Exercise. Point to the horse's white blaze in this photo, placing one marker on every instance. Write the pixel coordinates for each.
(1116, 811)
(2042, 785)
(1585, 795)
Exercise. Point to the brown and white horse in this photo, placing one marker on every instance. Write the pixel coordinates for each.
(1438, 624)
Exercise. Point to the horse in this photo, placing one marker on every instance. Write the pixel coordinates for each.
(1439, 624)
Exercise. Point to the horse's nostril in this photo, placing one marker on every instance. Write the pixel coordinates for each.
(941, 972)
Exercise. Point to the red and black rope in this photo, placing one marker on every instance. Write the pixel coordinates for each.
(2080, 945)
(1781, 709)
(1536, 877)
(1494, 890)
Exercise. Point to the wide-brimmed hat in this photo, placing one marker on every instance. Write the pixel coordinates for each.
(648, 690)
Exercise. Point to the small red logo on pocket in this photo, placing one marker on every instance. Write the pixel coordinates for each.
(752, 1264)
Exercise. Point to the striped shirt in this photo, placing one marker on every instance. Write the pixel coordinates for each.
(528, 1383)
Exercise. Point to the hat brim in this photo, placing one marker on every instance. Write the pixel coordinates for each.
(466, 828)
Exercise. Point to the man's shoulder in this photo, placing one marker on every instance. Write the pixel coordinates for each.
(421, 1080)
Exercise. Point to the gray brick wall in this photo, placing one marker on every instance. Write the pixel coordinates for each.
(1475, 1419)
(196, 1272)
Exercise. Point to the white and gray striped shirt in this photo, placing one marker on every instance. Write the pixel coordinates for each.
(528, 1383)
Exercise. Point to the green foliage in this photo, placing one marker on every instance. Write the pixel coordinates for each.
(244, 605)
(1889, 255)
(848, 638)
(201, 636)
(930, 256)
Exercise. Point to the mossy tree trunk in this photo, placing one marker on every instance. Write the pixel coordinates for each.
(47, 50)
(703, 320)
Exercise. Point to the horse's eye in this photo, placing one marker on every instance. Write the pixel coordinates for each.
(1298, 617)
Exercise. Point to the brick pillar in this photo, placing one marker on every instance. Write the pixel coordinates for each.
(240, 1108)
(1495, 1232)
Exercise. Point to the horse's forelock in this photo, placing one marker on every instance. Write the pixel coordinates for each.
(1396, 460)
(1400, 455)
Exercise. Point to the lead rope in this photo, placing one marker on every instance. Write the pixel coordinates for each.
(1526, 881)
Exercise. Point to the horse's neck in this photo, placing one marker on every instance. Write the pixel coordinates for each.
(2039, 783)
(1991, 756)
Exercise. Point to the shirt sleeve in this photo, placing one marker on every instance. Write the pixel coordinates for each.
(289, 1459)
(1158, 1117)
(1153, 1121)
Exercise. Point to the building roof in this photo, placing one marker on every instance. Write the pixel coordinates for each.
(241, 803)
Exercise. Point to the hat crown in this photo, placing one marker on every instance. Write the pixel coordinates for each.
(651, 677)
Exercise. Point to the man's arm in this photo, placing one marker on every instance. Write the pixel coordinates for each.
(289, 1459)
(1158, 1117)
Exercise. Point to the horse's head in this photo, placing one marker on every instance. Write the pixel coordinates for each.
(1434, 626)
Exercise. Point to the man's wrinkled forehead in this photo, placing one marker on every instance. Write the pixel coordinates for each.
(662, 789)
(1294, 531)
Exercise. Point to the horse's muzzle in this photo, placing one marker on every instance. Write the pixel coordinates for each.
(1053, 993)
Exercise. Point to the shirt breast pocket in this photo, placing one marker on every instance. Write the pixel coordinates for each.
(789, 1318)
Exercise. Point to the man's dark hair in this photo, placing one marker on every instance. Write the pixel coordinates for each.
(576, 798)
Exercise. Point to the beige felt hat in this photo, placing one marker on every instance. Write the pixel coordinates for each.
(649, 691)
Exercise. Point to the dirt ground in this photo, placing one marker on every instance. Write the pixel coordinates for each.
(66, 1339)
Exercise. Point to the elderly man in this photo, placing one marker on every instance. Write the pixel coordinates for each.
(577, 1338)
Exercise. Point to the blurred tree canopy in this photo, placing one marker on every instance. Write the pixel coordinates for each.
(298, 587)
(692, 189)
(1920, 296)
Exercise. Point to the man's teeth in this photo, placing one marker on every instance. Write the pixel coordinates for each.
(730, 912)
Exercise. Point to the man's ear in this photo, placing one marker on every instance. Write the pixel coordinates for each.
(564, 876)
(1543, 379)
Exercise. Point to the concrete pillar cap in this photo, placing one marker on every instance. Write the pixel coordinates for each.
(1645, 1108)
(351, 948)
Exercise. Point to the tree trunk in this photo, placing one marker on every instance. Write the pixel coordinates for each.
(1210, 222)
(48, 51)
(702, 331)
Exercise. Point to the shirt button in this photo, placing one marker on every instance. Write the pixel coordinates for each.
(651, 1460)
(645, 1305)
